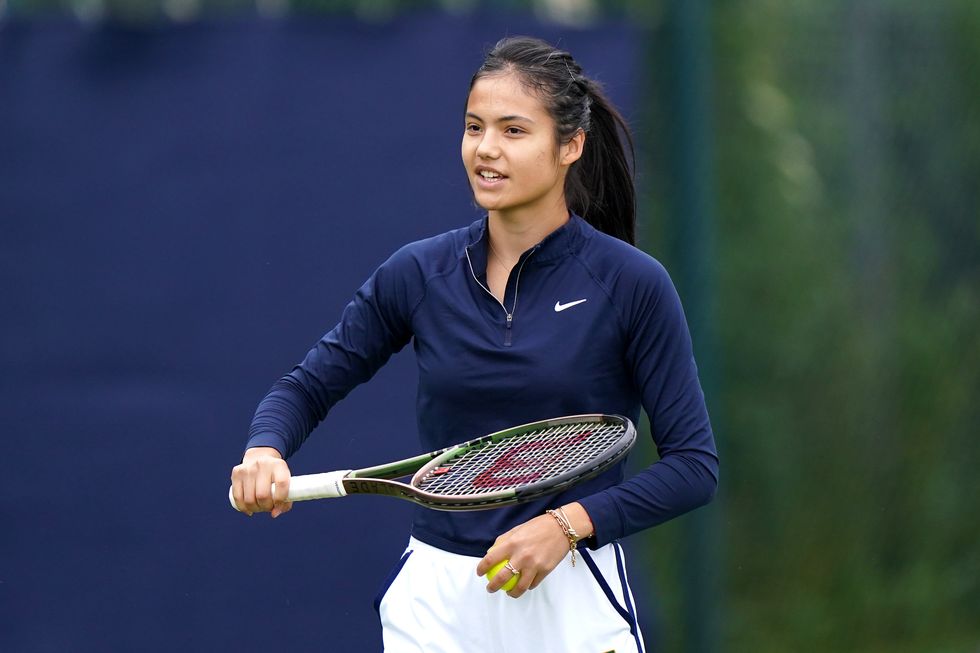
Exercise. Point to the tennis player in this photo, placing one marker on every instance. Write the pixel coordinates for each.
(542, 308)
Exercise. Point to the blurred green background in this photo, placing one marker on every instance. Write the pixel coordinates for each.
(809, 174)
(844, 310)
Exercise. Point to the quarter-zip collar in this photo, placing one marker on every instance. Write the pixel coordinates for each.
(556, 245)
(564, 240)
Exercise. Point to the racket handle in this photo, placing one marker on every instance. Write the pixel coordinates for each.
(328, 485)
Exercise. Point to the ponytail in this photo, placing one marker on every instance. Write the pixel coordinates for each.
(599, 186)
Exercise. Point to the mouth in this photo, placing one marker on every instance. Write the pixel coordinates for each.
(488, 176)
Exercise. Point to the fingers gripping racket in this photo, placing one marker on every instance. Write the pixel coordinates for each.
(507, 467)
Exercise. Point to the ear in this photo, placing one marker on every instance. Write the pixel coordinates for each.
(573, 149)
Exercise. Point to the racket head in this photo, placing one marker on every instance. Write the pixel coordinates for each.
(523, 463)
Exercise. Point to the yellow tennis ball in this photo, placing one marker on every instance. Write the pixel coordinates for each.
(511, 582)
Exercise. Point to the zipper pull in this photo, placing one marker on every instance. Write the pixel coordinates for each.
(507, 334)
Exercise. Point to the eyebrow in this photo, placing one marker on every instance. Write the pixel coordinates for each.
(511, 118)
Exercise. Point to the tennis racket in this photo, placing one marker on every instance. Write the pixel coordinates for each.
(511, 466)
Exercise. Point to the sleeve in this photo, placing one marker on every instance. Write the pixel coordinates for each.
(374, 325)
(661, 357)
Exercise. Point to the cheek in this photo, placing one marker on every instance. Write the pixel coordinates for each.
(467, 152)
(546, 155)
(544, 163)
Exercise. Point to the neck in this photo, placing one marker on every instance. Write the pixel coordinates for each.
(512, 234)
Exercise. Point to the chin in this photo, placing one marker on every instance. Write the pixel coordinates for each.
(487, 204)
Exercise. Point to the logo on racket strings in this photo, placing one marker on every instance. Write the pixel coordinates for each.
(527, 463)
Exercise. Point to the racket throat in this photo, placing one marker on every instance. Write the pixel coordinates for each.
(378, 486)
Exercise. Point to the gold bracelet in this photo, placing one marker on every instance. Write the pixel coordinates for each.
(566, 527)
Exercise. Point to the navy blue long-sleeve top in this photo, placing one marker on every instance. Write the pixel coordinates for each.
(589, 324)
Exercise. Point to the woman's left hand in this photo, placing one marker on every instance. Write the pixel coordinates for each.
(534, 548)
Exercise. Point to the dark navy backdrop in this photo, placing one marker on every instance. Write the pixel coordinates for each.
(184, 210)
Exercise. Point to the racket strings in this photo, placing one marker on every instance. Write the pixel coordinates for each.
(522, 459)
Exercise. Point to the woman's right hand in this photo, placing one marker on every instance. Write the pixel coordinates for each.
(251, 482)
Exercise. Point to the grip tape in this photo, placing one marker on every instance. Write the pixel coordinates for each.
(328, 485)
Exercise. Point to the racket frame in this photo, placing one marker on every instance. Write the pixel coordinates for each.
(379, 479)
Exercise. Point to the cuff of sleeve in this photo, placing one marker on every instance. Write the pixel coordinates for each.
(606, 519)
(268, 440)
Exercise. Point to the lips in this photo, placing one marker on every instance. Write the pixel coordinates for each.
(488, 177)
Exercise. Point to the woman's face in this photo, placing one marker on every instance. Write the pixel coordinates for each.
(509, 148)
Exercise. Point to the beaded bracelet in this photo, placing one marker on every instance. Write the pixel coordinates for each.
(566, 527)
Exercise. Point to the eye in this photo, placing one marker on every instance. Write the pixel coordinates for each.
(514, 131)
(472, 128)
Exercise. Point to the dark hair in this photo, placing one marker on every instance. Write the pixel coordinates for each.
(599, 186)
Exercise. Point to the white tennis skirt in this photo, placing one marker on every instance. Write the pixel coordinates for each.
(433, 602)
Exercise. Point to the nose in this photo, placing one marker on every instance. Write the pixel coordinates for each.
(489, 148)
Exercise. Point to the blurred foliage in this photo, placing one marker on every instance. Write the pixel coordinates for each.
(848, 271)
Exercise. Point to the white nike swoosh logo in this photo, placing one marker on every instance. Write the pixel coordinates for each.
(559, 307)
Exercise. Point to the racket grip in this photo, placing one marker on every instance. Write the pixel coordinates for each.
(328, 485)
